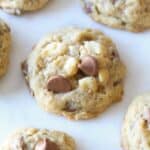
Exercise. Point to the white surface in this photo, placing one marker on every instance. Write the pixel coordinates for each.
(19, 109)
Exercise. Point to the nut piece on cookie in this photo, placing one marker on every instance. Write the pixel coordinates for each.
(94, 46)
(88, 84)
(136, 125)
(71, 66)
(5, 40)
(38, 139)
(17, 7)
(132, 15)
(103, 76)
(78, 79)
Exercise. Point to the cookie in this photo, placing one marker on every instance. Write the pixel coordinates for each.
(75, 72)
(4, 47)
(19, 6)
(38, 139)
(132, 15)
(136, 127)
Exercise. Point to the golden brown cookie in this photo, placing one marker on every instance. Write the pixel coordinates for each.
(132, 15)
(19, 6)
(38, 139)
(4, 47)
(136, 127)
(75, 72)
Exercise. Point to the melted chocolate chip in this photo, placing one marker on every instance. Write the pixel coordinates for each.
(89, 66)
(46, 144)
(58, 84)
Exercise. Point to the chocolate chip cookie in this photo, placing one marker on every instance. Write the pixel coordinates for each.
(19, 6)
(75, 72)
(4, 47)
(36, 139)
(136, 127)
(132, 15)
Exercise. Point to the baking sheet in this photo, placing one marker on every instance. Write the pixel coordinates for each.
(17, 107)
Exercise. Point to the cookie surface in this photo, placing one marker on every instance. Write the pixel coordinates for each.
(132, 15)
(4, 47)
(136, 127)
(19, 6)
(38, 139)
(75, 72)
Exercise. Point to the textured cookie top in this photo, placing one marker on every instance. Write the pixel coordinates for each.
(133, 15)
(35, 139)
(72, 70)
(136, 128)
(4, 47)
(19, 6)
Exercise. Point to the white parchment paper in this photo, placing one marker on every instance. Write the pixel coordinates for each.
(19, 109)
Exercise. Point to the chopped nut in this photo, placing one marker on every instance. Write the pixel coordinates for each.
(95, 47)
(71, 66)
(88, 84)
(55, 49)
(103, 76)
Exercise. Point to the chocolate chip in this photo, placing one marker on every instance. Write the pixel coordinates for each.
(46, 144)
(88, 7)
(58, 84)
(24, 68)
(114, 1)
(89, 66)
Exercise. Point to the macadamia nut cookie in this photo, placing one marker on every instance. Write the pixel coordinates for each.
(19, 6)
(36, 139)
(75, 72)
(4, 47)
(132, 15)
(136, 127)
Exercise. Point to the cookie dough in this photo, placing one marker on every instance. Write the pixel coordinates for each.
(132, 15)
(38, 139)
(19, 6)
(75, 72)
(4, 47)
(136, 127)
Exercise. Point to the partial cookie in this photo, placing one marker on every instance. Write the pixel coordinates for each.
(136, 127)
(4, 47)
(36, 139)
(19, 6)
(75, 72)
(132, 15)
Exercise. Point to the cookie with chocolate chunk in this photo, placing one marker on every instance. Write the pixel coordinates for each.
(132, 15)
(38, 139)
(19, 6)
(5, 41)
(136, 126)
(75, 72)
